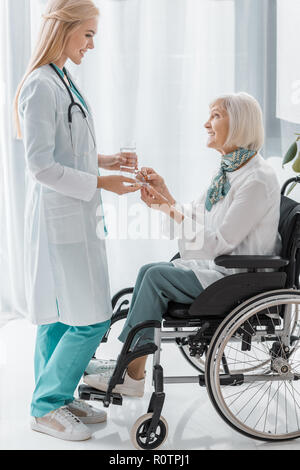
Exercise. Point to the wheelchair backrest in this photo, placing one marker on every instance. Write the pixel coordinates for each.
(289, 229)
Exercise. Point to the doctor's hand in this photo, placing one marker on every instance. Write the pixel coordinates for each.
(156, 182)
(114, 162)
(115, 184)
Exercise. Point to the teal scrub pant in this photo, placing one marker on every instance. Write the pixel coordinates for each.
(62, 354)
(157, 284)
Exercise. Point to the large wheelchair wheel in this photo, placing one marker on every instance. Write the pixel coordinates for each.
(257, 346)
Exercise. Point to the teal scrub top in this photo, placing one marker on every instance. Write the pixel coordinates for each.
(72, 87)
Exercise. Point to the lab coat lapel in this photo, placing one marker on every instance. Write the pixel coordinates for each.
(58, 81)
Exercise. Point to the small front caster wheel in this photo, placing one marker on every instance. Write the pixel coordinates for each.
(139, 433)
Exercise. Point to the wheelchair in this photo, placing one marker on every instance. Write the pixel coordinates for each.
(241, 334)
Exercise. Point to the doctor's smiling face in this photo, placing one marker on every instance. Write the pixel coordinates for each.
(218, 128)
(79, 42)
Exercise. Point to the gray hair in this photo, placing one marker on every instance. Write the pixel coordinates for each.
(245, 120)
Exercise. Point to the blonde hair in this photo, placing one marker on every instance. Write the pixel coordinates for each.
(245, 120)
(60, 20)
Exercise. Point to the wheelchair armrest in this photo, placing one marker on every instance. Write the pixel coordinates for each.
(121, 293)
(177, 256)
(251, 262)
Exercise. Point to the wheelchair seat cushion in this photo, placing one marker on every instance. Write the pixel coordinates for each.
(224, 295)
(177, 310)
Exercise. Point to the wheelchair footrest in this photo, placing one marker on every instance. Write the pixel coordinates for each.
(85, 392)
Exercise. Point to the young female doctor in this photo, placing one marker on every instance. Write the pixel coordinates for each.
(66, 273)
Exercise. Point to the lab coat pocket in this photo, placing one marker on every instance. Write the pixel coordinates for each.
(82, 138)
(64, 220)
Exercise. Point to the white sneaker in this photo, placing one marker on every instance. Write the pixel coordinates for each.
(97, 366)
(130, 387)
(87, 413)
(61, 423)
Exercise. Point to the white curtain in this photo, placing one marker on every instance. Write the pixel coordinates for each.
(156, 66)
(14, 54)
(288, 63)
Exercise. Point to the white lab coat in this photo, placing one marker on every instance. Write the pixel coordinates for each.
(245, 222)
(66, 274)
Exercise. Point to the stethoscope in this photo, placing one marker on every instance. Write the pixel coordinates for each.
(73, 102)
(72, 105)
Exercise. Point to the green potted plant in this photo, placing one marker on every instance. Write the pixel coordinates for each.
(290, 155)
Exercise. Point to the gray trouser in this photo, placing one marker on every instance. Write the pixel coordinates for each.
(157, 284)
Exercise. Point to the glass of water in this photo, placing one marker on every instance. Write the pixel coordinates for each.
(131, 171)
(129, 151)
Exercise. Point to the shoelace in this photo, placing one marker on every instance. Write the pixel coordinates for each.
(81, 404)
(102, 365)
(66, 416)
(106, 362)
(106, 374)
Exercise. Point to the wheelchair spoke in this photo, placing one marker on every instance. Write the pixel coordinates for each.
(296, 405)
(261, 344)
(252, 362)
(296, 391)
(255, 358)
(285, 407)
(265, 349)
(247, 403)
(266, 410)
(246, 362)
(276, 394)
(277, 406)
(250, 387)
(293, 351)
(260, 325)
(295, 366)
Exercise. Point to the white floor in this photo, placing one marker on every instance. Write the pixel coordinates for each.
(193, 422)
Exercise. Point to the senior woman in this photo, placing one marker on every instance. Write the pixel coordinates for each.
(237, 214)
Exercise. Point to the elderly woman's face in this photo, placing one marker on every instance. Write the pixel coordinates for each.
(217, 127)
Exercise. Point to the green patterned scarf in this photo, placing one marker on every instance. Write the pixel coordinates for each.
(220, 184)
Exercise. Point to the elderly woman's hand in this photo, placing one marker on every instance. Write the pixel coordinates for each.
(154, 199)
(156, 182)
(157, 201)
